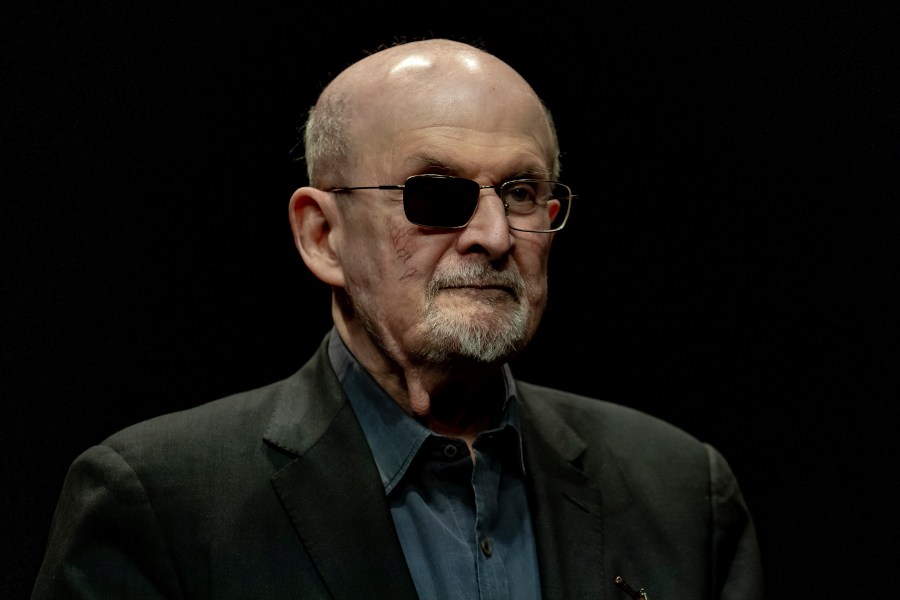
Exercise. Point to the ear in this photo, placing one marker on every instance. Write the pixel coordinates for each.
(313, 216)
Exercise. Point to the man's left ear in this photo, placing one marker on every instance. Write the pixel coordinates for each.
(312, 213)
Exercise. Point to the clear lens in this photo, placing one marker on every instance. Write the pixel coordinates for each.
(535, 205)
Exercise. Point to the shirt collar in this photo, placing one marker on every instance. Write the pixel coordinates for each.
(393, 435)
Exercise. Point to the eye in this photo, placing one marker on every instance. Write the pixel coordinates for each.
(520, 192)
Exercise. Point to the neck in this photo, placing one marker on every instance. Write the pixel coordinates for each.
(459, 399)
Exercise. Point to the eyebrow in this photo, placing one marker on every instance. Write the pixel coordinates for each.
(426, 161)
(531, 173)
(434, 164)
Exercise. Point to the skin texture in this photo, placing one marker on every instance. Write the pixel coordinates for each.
(402, 294)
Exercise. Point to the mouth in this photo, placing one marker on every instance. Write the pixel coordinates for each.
(480, 283)
(482, 289)
(483, 286)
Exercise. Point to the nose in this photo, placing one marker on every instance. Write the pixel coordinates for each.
(488, 231)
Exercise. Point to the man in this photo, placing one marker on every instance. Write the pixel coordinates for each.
(403, 460)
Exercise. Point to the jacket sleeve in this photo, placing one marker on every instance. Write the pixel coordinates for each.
(105, 541)
(735, 555)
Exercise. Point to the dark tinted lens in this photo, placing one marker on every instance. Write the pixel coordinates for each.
(438, 201)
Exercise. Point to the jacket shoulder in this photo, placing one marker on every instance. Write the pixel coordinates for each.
(238, 421)
(233, 417)
(616, 424)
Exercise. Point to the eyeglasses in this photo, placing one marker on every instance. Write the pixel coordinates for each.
(449, 202)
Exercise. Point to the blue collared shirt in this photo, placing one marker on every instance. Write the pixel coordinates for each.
(465, 528)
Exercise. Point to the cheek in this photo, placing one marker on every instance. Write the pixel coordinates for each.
(402, 250)
(532, 256)
(387, 254)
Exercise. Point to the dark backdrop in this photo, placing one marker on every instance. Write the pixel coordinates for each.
(731, 264)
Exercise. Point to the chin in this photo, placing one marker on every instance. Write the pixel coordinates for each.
(484, 340)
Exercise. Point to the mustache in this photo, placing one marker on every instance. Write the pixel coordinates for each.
(478, 275)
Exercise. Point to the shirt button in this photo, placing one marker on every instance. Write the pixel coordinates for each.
(450, 450)
(486, 546)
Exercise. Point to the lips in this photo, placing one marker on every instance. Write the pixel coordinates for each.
(478, 280)
(483, 287)
(486, 286)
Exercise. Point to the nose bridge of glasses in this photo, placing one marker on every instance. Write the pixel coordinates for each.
(497, 192)
(484, 209)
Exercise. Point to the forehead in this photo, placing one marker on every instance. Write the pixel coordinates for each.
(458, 110)
(462, 132)
(468, 154)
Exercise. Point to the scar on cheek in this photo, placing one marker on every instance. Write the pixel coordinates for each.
(400, 241)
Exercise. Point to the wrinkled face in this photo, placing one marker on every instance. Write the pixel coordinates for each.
(433, 295)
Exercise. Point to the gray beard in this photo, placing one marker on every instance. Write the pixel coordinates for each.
(486, 339)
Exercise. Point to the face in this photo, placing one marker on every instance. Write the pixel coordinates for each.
(437, 295)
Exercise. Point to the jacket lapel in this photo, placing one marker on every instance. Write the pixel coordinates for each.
(336, 501)
(332, 491)
(566, 506)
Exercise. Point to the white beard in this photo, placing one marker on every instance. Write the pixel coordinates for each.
(491, 335)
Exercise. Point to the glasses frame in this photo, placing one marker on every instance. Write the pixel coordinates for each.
(498, 188)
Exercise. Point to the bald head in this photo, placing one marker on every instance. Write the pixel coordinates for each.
(411, 87)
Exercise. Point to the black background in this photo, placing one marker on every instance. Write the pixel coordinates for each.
(731, 264)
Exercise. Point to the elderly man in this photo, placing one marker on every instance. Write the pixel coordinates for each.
(404, 460)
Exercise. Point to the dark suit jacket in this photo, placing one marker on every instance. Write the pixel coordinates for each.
(274, 494)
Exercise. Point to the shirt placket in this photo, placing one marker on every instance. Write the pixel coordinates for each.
(490, 569)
